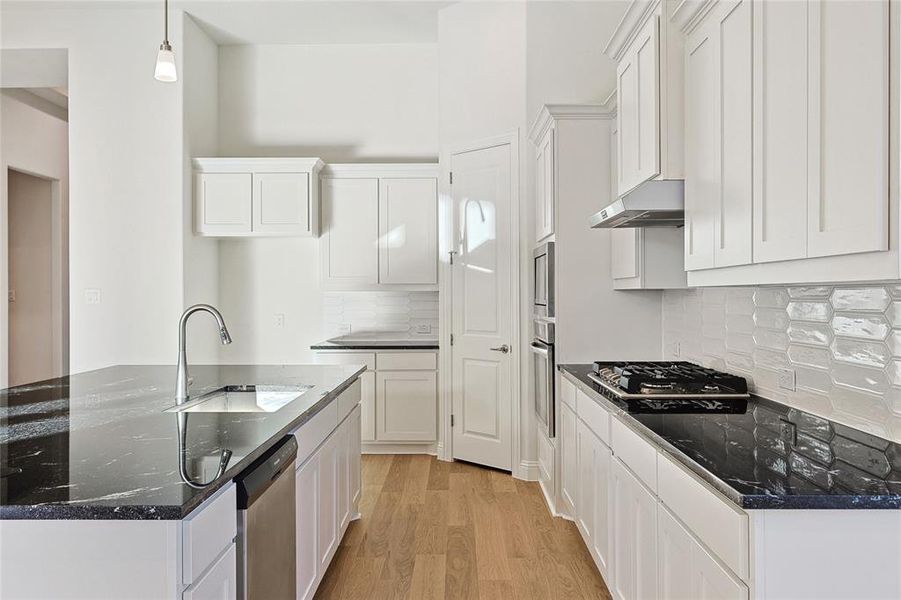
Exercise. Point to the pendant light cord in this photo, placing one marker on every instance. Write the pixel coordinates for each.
(166, 22)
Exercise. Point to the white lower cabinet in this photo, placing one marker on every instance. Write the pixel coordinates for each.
(686, 570)
(593, 503)
(367, 407)
(219, 583)
(569, 460)
(406, 406)
(328, 502)
(307, 498)
(634, 542)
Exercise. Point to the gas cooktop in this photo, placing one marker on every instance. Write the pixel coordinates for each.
(667, 381)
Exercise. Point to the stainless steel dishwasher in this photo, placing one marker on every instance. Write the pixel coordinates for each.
(266, 525)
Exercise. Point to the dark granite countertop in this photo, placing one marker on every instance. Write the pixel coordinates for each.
(374, 342)
(769, 456)
(98, 445)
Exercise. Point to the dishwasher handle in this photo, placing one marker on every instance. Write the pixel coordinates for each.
(263, 472)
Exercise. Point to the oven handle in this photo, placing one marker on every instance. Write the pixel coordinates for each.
(539, 348)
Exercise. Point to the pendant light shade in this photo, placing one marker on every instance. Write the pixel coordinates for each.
(165, 59)
(165, 65)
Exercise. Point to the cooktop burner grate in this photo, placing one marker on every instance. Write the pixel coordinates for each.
(676, 379)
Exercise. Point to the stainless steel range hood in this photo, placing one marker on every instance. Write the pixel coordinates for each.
(651, 204)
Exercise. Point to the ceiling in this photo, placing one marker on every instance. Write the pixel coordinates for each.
(231, 22)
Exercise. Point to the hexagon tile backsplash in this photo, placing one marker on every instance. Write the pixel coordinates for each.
(842, 342)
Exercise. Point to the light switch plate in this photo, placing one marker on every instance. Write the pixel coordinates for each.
(92, 296)
(278, 320)
(424, 328)
(11, 296)
(343, 328)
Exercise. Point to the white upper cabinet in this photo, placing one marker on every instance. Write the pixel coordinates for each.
(545, 179)
(350, 232)
(256, 196)
(408, 230)
(379, 227)
(648, 53)
(718, 159)
(787, 175)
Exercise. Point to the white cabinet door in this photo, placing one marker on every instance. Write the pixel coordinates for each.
(355, 449)
(342, 450)
(406, 406)
(718, 139)
(327, 510)
(281, 203)
(367, 406)
(350, 231)
(408, 231)
(223, 203)
(307, 519)
(634, 540)
(587, 443)
(686, 570)
(848, 127)
(600, 537)
(780, 130)
(219, 583)
(701, 150)
(545, 186)
(569, 459)
(638, 106)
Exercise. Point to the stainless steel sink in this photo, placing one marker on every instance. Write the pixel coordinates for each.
(244, 399)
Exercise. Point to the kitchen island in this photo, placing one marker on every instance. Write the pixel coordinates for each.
(108, 492)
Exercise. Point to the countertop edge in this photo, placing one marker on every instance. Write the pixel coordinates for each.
(743, 501)
(374, 348)
(89, 512)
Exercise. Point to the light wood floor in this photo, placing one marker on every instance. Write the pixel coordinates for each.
(432, 529)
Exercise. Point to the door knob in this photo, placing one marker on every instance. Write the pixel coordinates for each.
(502, 349)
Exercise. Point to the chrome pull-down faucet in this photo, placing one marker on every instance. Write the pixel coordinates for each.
(181, 377)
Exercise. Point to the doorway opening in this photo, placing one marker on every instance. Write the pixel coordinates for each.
(37, 279)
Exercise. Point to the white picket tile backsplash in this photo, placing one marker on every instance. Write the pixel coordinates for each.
(843, 344)
(381, 312)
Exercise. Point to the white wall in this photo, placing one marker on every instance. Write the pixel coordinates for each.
(33, 142)
(200, 77)
(565, 62)
(31, 339)
(340, 102)
(126, 173)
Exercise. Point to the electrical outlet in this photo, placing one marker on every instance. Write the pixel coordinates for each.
(424, 328)
(11, 296)
(787, 379)
(343, 328)
(278, 320)
(676, 349)
(92, 296)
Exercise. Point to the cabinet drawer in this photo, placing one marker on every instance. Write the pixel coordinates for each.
(313, 432)
(595, 416)
(342, 357)
(716, 522)
(221, 581)
(635, 452)
(406, 361)
(567, 392)
(349, 399)
(207, 532)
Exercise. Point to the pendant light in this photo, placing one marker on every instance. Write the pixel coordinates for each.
(165, 60)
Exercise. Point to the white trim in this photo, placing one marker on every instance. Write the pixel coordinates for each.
(528, 470)
(554, 112)
(636, 16)
(399, 448)
(367, 170)
(688, 14)
(609, 103)
(510, 138)
(261, 164)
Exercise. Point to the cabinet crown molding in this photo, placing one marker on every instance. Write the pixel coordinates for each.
(247, 164)
(637, 14)
(688, 14)
(553, 112)
(375, 170)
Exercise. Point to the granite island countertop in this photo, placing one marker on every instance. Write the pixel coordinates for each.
(768, 455)
(99, 445)
(376, 342)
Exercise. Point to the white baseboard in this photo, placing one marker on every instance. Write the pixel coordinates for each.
(527, 471)
(395, 448)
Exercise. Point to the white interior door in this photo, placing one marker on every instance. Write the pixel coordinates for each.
(484, 306)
